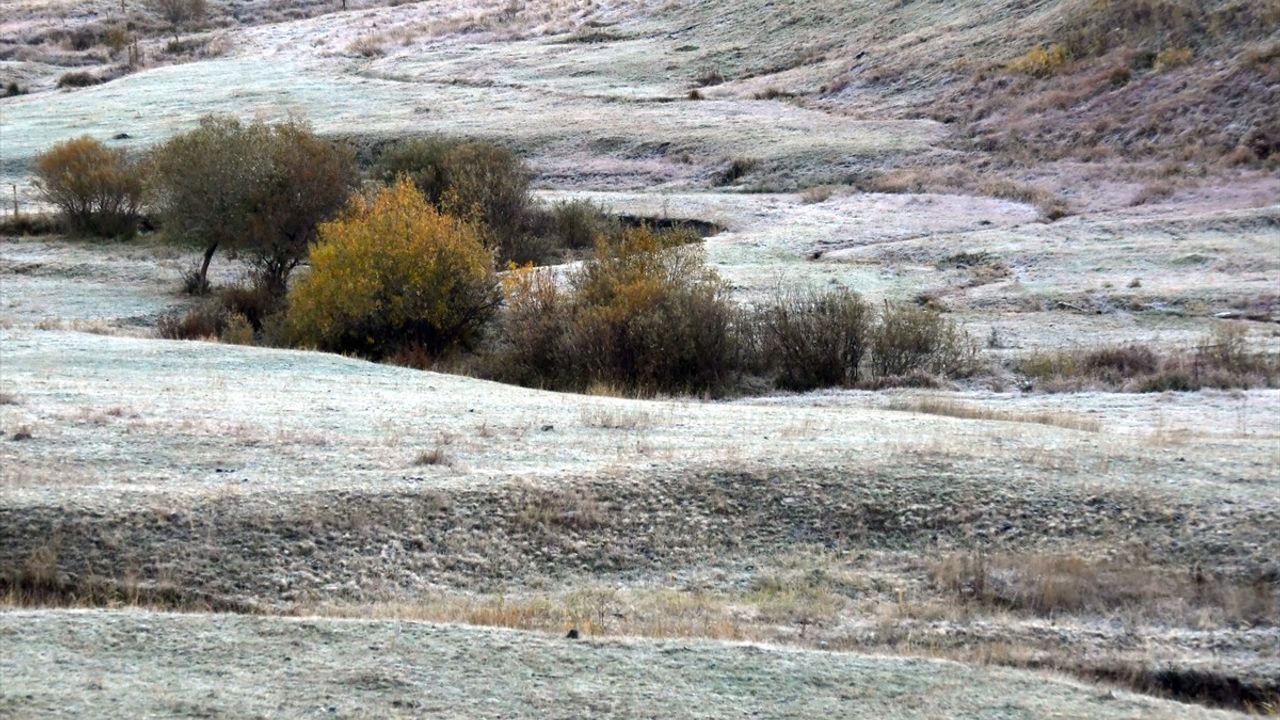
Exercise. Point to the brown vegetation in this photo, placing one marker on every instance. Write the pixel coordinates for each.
(97, 190)
(1222, 359)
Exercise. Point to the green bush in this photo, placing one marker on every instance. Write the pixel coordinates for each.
(394, 274)
(97, 190)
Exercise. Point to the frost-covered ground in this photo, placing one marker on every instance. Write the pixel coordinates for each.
(130, 664)
(250, 478)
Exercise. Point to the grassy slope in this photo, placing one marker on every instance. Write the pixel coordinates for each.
(125, 664)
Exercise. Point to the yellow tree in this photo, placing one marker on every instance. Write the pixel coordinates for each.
(394, 274)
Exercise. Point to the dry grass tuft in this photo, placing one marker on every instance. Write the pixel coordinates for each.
(432, 457)
(950, 408)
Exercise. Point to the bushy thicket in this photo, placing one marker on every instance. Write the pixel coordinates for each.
(97, 190)
(811, 340)
(643, 314)
(394, 275)
(646, 316)
(489, 186)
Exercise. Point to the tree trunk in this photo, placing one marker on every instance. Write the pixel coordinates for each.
(204, 267)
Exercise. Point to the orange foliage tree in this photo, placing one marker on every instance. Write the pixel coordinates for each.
(394, 274)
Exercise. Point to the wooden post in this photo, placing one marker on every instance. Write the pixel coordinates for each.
(15, 201)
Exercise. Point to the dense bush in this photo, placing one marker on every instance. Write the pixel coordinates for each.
(96, 189)
(391, 274)
(253, 299)
(910, 338)
(813, 340)
(78, 79)
(31, 224)
(643, 314)
(480, 182)
(422, 160)
(256, 188)
(578, 224)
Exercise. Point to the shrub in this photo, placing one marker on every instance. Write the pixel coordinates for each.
(477, 181)
(1173, 57)
(237, 330)
(422, 160)
(490, 184)
(911, 338)
(97, 190)
(253, 299)
(737, 169)
(643, 314)
(12, 89)
(533, 326)
(78, 79)
(369, 46)
(206, 321)
(579, 223)
(395, 273)
(178, 12)
(31, 224)
(817, 194)
(1119, 362)
(815, 340)
(256, 188)
(1042, 61)
(1222, 359)
(710, 76)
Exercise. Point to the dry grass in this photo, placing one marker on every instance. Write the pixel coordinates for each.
(551, 510)
(1066, 584)
(962, 180)
(432, 457)
(818, 194)
(369, 46)
(941, 406)
(1223, 359)
(611, 418)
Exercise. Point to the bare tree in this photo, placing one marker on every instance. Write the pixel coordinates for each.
(178, 12)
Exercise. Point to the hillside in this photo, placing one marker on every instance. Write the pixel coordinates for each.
(202, 528)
